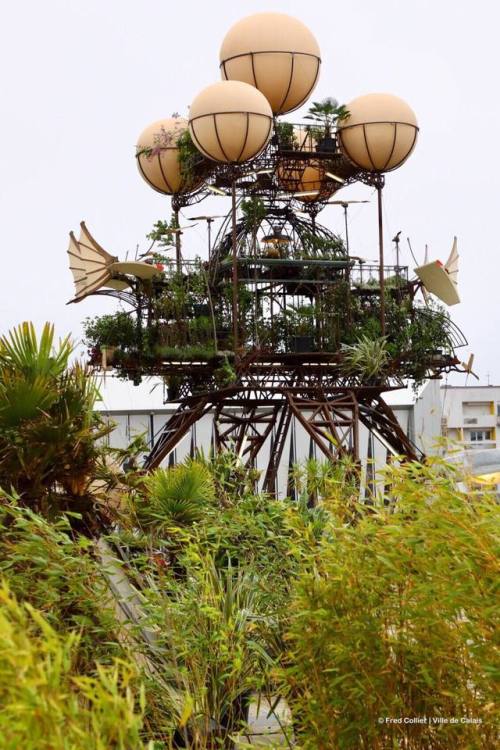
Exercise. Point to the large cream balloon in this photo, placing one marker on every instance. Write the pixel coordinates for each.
(157, 156)
(230, 121)
(275, 53)
(380, 132)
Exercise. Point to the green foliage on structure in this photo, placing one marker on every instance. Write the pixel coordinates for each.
(117, 329)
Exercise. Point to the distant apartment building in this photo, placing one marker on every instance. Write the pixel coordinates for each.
(471, 416)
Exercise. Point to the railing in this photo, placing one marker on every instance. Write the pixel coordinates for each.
(366, 275)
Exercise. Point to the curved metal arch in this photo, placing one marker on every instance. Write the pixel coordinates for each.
(279, 216)
(128, 297)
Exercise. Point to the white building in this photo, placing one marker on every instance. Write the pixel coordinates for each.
(471, 416)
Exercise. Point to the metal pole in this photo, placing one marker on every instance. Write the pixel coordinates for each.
(235, 265)
(346, 229)
(177, 240)
(381, 260)
(209, 222)
(348, 273)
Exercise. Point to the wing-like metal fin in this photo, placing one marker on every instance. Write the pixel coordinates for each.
(89, 263)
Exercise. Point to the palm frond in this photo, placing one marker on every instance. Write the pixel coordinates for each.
(177, 496)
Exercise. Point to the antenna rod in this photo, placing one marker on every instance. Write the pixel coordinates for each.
(345, 205)
(381, 260)
(177, 240)
(396, 241)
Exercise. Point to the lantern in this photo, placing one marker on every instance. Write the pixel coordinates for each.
(230, 121)
(380, 132)
(158, 156)
(275, 53)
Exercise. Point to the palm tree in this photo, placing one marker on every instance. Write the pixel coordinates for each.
(176, 496)
(49, 431)
(328, 113)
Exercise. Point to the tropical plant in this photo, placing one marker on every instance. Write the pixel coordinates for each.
(315, 246)
(177, 496)
(397, 618)
(328, 113)
(367, 359)
(210, 653)
(163, 233)
(49, 432)
(254, 211)
(46, 703)
(286, 136)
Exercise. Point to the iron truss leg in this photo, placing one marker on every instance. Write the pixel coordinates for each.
(331, 422)
(253, 425)
(381, 421)
(244, 432)
(174, 430)
(276, 451)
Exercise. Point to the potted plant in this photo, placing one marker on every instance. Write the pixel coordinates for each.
(302, 327)
(367, 360)
(327, 114)
(106, 333)
(285, 135)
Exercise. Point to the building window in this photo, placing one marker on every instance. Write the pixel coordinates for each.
(478, 435)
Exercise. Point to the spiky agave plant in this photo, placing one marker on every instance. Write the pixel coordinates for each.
(176, 496)
(367, 359)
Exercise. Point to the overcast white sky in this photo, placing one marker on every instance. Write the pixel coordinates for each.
(82, 78)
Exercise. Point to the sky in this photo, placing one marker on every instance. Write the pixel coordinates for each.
(82, 78)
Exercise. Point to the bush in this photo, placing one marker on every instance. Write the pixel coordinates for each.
(177, 496)
(46, 704)
(57, 574)
(110, 330)
(49, 432)
(398, 619)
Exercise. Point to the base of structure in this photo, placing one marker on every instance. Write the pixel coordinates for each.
(257, 423)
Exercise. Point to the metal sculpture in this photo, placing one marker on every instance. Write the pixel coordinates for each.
(260, 334)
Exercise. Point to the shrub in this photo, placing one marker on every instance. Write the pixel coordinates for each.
(398, 619)
(49, 569)
(46, 704)
(49, 452)
(176, 496)
(110, 330)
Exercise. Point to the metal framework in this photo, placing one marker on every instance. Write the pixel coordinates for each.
(255, 418)
(282, 263)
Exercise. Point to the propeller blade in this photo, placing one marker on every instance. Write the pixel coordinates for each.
(468, 367)
(206, 218)
(180, 230)
(343, 203)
